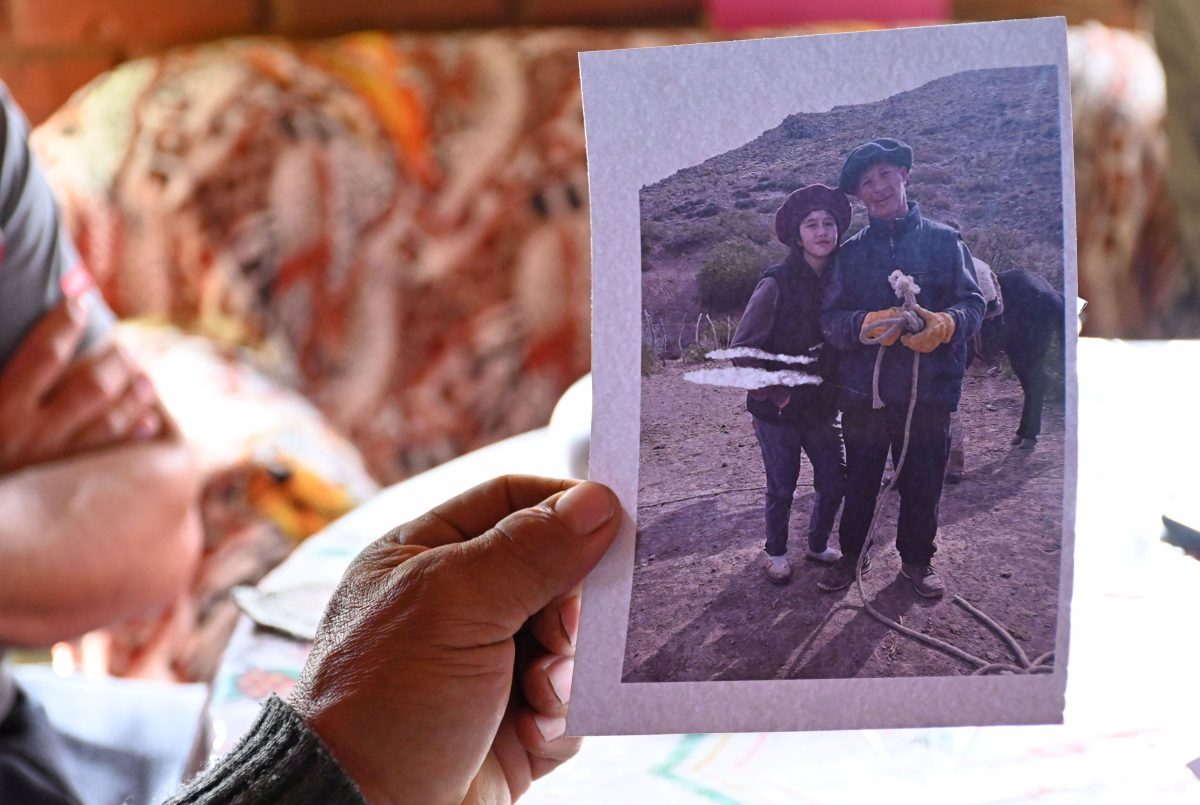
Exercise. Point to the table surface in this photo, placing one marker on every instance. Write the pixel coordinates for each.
(1132, 723)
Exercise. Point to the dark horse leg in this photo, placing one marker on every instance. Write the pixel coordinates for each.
(1032, 375)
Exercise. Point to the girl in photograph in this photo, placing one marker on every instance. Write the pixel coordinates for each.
(783, 318)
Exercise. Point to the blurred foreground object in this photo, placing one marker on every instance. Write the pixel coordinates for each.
(1176, 34)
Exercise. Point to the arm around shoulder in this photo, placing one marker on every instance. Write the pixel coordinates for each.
(840, 325)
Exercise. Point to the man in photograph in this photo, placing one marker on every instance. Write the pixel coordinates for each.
(859, 299)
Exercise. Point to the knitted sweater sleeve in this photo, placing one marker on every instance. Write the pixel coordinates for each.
(279, 760)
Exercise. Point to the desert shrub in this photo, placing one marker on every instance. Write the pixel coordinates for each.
(728, 276)
(652, 235)
(695, 353)
(651, 363)
(690, 235)
(1045, 260)
(744, 224)
(999, 247)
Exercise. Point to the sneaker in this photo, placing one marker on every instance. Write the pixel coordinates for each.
(825, 557)
(841, 574)
(778, 569)
(924, 578)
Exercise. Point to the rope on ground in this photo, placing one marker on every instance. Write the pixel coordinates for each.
(698, 495)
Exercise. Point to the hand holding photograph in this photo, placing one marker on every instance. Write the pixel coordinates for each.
(833, 379)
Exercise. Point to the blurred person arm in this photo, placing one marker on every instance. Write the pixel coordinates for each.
(96, 483)
(94, 538)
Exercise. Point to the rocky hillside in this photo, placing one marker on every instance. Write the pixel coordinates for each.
(987, 149)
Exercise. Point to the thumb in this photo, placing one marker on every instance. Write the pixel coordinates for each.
(533, 556)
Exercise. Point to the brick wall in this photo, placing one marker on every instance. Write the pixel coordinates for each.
(49, 48)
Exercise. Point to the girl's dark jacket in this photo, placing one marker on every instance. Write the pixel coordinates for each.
(783, 317)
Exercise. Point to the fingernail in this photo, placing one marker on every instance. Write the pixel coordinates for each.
(560, 674)
(585, 507)
(568, 617)
(551, 727)
(75, 308)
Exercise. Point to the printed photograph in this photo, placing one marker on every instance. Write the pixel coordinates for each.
(834, 329)
(851, 452)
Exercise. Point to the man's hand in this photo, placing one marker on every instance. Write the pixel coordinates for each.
(877, 322)
(52, 405)
(442, 667)
(939, 329)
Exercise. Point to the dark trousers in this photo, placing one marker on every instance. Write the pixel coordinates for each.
(870, 435)
(782, 444)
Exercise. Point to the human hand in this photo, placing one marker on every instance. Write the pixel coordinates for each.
(939, 329)
(876, 325)
(53, 405)
(441, 670)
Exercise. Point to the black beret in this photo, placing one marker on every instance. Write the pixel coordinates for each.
(800, 203)
(885, 149)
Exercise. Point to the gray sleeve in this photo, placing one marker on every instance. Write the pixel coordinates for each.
(755, 327)
(38, 262)
(279, 760)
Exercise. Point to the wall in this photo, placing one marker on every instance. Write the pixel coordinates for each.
(49, 48)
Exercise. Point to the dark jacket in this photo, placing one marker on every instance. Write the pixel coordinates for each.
(783, 318)
(935, 256)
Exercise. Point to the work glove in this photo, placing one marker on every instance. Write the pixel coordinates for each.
(872, 328)
(939, 329)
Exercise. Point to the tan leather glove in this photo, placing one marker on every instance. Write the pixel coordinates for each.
(871, 328)
(939, 329)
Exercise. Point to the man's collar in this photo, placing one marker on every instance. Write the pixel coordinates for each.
(900, 226)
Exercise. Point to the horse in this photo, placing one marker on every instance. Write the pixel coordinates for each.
(1021, 322)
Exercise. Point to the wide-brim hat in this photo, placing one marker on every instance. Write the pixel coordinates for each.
(885, 149)
(800, 203)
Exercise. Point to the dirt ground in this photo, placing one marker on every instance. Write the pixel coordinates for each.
(702, 608)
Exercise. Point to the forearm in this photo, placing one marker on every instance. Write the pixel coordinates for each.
(840, 324)
(841, 328)
(91, 539)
